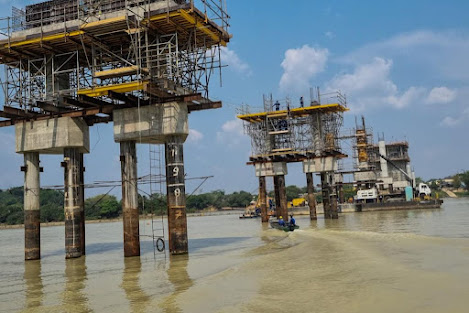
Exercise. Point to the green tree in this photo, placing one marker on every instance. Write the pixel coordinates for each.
(456, 181)
(102, 206)
(238, 199)
(464, 177)
(293, 192)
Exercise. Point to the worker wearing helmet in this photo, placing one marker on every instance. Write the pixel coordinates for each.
(281, 222)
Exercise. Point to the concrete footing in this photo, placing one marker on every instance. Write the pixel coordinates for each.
(128, 158)
(176, 195)
(32, 230)
(311, 198)
(73, 204)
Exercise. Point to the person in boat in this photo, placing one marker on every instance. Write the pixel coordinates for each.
(281, 222)
(292, 220)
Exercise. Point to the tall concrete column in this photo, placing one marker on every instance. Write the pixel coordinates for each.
(341, 193)
(82, 208)
(280, 193)
(128, 157)
(176, 195)
(73, 203)
(32, 225)
(276, 196)
(311, 197)
(326, 192)
(334, 207)
(262, 199)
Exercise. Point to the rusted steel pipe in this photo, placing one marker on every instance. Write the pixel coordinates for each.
(262, 199)
(311, 197)
(32, 225)
(128, 158)
(176, 196)
(279, 185)
(72, 203)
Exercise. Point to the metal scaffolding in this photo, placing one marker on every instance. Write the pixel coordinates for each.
(286, 130)
(64, 55)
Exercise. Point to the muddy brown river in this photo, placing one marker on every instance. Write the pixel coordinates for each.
(395, 261)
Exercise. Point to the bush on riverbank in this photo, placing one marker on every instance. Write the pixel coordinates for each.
(108, 207)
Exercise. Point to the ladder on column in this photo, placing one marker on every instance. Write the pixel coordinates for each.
(157, 179)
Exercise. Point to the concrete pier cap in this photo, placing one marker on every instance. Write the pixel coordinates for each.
(320, 165)
(271, 169)
(154, 124)
(52, 136)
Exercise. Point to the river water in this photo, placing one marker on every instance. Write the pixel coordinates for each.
(395, 261)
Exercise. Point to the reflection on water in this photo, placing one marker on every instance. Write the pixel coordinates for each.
(138, 299)
(178, 276)
(74, 298)
(33, 281)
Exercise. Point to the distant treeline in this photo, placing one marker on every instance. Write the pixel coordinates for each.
(107, 206)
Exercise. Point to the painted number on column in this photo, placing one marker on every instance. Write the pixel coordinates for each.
(174, 152)
(175, 171)
(177, 192)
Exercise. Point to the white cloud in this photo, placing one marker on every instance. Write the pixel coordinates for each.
(234, 62)
(231, 132)
(449, 121)
(443, 54)
(441, 95)
(194, 136)
(300, 65)
(370, 85)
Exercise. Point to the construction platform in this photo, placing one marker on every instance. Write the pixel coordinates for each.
(85, 63)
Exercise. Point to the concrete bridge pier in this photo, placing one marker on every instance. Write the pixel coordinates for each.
(262, 199)
(65, 136)
(311, 198)
(128, 158)
(277, 170)
(162, 123)
(326, 166)
(73, 203)
(176, 195)
(32, 230)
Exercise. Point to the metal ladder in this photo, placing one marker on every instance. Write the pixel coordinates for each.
(157, 179)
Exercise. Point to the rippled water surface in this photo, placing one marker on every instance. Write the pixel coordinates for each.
(394, 261)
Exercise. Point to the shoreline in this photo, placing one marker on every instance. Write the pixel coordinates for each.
(119, 219)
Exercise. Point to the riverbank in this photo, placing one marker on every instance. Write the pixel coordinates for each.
(119, 219)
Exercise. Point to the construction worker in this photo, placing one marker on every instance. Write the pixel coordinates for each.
(302, 103)
(281, 222)
(292, 220)
(277, 105)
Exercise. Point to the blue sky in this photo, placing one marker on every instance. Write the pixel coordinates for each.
(402, 64)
